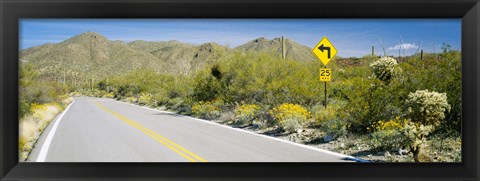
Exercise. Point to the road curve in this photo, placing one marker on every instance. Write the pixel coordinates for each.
(105, 130)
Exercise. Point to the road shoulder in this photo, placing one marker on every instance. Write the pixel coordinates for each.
(33, 156)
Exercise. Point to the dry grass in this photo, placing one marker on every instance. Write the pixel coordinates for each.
(32, 126)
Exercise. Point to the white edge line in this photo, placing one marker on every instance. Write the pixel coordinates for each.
(245, 131)
(46, 145)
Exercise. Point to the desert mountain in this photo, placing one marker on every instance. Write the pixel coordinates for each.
(87, 54)
(181, 57)
(294, 50)
(92, 55)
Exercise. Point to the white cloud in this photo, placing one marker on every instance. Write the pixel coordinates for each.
(404, 46)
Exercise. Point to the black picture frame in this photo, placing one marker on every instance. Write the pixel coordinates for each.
(12, 11)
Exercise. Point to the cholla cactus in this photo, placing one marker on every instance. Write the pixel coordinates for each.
(427, 108)
(415, 137)
(385, 68)
(417, 133)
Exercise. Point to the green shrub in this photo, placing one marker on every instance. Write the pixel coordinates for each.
(180, 105)
(291, 124)
(131, 100)
(264, 118)
(146, 99)
(97, 93)
(109, 95)
(206, 87)
(336, 127)
(364, 102)
(333, 111)
(259, 77)
(206, 110)
(123, 91)
(388, 135)
(425, 74)
(226, 116)
(290, 116)
(24, 108)
(35, 90)
(246, 114)
(22, 144)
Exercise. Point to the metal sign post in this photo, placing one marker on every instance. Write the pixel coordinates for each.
(325, 52)
(325, 93)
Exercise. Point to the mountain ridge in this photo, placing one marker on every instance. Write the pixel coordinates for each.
(92, 54)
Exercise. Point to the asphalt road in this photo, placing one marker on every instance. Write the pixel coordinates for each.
(105, 130)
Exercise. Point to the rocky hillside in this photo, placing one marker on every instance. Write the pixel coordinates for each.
(180, 57)
(87, 54)
(92, 55)
(294, 51)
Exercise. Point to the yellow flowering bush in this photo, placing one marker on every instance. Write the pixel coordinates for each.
(146, 99)
(109, 95)
(206, 110)
(32, 125)
(394, 124)
(42, 111)
(36, 106)
(388, 134)
(245, 114)
(290, 116)
(131, 99)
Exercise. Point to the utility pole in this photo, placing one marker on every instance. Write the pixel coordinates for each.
(373, 52)
(421, 54)
(325, 93)
(399, 53)
(64, 78)
(85, 86)
(108, 86)
(283, 48)
(91, 84)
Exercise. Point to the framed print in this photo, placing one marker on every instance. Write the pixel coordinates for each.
(269, 90)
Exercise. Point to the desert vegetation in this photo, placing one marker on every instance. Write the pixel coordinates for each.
(378, 108)
(40, 102)
(394, 105)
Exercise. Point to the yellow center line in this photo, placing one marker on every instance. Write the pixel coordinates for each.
(170, 144)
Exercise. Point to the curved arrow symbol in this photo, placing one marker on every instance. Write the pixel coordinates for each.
(321, 48)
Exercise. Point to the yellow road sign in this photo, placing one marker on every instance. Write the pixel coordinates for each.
(324, 50)
(325, 75)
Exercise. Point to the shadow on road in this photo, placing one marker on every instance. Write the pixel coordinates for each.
(366, 152)
(356, 160)
(318, 140)
(168, 114)
(276, 132)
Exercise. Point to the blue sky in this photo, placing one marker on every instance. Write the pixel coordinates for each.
(351, 37)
